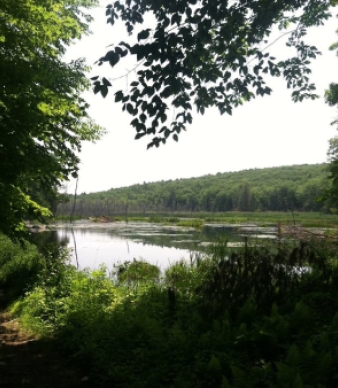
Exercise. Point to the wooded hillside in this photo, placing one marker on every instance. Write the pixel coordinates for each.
(275, 189)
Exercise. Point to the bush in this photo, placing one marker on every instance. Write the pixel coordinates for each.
(136, 272)
(20, 266)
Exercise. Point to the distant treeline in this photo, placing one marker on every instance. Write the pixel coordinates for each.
(269, 189)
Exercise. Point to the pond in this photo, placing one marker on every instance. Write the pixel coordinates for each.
(114, 243)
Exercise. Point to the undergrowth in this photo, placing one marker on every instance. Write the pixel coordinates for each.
(255, 318)
(19, 268)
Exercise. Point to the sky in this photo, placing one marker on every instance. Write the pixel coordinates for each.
(266, 132)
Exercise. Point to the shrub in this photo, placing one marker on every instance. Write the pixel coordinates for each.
(19, 268)
(136, 272)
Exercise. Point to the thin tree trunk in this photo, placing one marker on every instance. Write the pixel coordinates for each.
(74, 203)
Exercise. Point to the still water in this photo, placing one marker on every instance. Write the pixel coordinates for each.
(94, 244)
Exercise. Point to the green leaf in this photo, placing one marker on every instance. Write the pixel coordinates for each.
(134, 123)
(214, 365)
(143, 117)
(139, 135)
(97, 88)
(166, 92)
(163, 117)
(112, 58)
(298, 382)
(225, 383)
(104, 91)
(143, 34)
(118, 96)
(106, 82)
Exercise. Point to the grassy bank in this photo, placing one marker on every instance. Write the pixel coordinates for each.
(257, 318)
(198, 219)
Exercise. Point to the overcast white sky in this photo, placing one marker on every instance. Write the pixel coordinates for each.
(269, 131)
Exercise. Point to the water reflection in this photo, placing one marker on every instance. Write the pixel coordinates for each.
(95, 247)
(115, 243)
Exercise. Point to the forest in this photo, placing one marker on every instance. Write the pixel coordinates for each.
(269, 189)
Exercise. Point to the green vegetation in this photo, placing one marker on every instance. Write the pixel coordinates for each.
(332, 100)
(43, 117)
(22, 265)
(135, 272)
(268, 189)
(20, 268)
(305, 219)
(255, 318)
(193, 222)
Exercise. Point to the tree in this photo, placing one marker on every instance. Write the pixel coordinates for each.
(206, 53)
(43, 119)
(332, 99)
(244, 202)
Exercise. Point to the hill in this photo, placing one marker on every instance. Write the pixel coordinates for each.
(275, 189)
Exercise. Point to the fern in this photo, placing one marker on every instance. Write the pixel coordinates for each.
(293, 357)
(286, 375)
(298, 383)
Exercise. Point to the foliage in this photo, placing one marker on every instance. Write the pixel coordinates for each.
(16, 206)
(48, 197)
(61, 290)
(230, 321)
(42, 116)
(332, 100)
(206, 54)
(275, 189)
(135, 272)
(19, 268)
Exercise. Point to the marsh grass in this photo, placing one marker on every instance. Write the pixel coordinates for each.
(305, 219)
(192, 222)
(135, 272)
(198, 219)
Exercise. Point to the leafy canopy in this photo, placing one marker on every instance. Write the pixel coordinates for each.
(208, 53)
(43, 119)
(332, 99)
